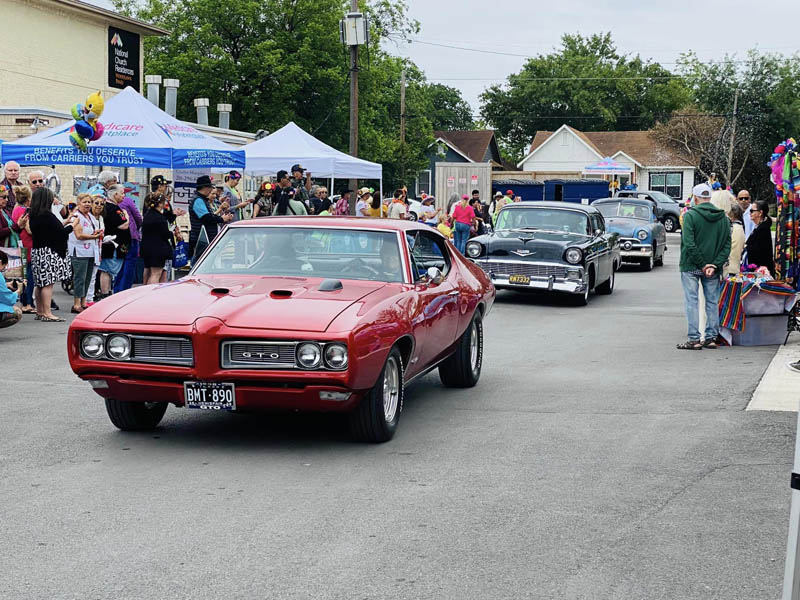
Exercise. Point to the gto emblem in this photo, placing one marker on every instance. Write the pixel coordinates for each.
(522, 252)
(272, 355)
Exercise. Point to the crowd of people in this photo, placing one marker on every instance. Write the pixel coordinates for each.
(722, 235)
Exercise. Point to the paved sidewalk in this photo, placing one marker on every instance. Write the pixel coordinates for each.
(779, 388)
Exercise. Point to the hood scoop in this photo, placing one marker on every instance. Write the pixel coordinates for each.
(220, 291)
(330, 285)
(280, 294)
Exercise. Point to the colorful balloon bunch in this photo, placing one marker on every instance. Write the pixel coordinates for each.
(87, 128)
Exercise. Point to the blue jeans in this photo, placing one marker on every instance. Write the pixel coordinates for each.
(124, 280)
(460, 236)
(711, 289)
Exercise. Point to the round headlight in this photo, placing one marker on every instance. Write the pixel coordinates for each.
(474, 250)
(118, 347)
(336, 356)
(309, 355)
(92, 345)
(642, 235)
(573, 256)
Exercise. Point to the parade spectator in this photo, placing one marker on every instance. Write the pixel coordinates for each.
(375, 207)
(705, 248)
(116, 239)
(203, 215)
(342, 206)
(8, 237)
(49, 253)
(760, 250)
(444, 225)
(171, 214)
(156, 238)
(325, 208)
(9, 293)
(287, 204)
(159, 184)
(127, 275)
(743, 198)
(107, 179)
(11, 179)
(464, 218)
(430, 214)
(320, 195)
(21, 218)
(240, 208)
(302, 188)
(451, 203)
(478, 227)
(82, 249)
(737, 241)
(397, 209)
(721, 198)
(98, 210)
(362, 205)
(264, 203)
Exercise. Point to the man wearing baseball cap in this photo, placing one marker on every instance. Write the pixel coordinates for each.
(705, 247)
(303, 192)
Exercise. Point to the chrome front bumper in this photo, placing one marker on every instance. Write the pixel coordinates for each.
(634, 249)
(546, 282)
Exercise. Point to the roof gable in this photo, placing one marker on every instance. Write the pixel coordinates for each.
(472, 144)
(541, 140)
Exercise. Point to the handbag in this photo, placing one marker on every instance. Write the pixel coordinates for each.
(15, 269)
(180, 257)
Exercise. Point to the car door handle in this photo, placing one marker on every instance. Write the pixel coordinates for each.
(453, 293)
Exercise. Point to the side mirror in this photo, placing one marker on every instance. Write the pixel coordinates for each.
(435, 276)
(598, 232)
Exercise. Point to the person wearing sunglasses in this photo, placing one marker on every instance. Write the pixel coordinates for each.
(760, 250)
(743, 198)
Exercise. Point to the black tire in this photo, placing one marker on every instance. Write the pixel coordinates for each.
(369, 422)
(462, 369)
(607, 287)
(135, 416)
(670, 224)
(647, 263)
(659, 262)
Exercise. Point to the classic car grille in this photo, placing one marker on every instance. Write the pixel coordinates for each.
(519, 268)
(258, 355)
(168, 350)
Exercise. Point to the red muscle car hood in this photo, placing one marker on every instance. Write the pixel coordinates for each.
(288, 303)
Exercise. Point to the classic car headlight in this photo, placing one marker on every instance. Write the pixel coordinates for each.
(118, 347)
(336, 356)
(573, 256)
(92, 345)
(474, 249)
(309, 355)
(642, 234)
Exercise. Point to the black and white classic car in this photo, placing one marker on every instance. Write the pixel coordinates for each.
(549, 246)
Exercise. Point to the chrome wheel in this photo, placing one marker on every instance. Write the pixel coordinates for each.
(669, 225)
(473, 346)
(391, 389)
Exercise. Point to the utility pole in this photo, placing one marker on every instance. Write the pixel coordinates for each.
(403, 107)
(353, 184)
(733, 136)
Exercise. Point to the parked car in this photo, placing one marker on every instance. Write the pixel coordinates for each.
(643, 239)
(549, 246)
(295, 313)
(668, 209)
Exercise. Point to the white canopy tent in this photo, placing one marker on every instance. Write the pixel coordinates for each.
(290, 145)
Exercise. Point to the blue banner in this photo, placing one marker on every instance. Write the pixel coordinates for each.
(96, 156)
(207, 159)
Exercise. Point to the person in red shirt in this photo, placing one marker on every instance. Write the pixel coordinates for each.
(19, 214)
(464, 217)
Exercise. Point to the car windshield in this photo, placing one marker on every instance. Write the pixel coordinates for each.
(629, 210)
(551, 219)
(305, 252)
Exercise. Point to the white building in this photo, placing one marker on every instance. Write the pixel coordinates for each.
(563, 154)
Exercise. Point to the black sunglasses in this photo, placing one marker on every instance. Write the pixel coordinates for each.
(37, 180)
(752, 210)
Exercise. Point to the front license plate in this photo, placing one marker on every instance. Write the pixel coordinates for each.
(523, 279)
(209, 395)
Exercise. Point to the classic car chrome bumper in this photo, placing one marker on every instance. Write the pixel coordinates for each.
(631, 248)
(551, 277)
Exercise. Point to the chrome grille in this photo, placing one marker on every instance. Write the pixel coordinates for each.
(258, 355)
(520, 268)
(166, 350)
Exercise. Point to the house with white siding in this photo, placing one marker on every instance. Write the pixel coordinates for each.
(562, 154)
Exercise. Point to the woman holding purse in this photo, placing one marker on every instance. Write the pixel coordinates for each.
(156, 238)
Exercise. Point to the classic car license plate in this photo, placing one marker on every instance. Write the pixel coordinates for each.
(523, 279)
(209, 395)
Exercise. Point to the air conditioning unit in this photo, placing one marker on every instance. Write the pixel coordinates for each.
(354, 29)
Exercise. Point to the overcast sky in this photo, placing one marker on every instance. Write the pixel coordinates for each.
(660, 30)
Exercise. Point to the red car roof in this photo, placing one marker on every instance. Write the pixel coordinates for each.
(346, 222)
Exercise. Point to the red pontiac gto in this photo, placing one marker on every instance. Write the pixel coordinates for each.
(297, 313)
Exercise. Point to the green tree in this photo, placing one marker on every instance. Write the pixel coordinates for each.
(587, 84)
(449, 110)
(281, 60)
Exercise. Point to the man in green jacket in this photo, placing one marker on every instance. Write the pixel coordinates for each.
(705, 247)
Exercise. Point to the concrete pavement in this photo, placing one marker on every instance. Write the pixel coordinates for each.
(593, 460)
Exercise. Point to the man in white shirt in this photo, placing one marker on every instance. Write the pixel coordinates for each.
(743, 198)
(362, 208)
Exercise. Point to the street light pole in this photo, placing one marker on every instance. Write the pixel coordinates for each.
(353, 183)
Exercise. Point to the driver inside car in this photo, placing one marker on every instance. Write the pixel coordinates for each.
(390, 263)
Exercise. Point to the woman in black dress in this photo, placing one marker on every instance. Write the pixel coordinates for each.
(156, 247)
(760, 251)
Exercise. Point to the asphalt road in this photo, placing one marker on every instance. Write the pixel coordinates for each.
(593, 460)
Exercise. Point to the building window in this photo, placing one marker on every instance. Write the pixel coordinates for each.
(423, 182)
(669, 183)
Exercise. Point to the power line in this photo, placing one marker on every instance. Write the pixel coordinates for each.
(527, 78)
